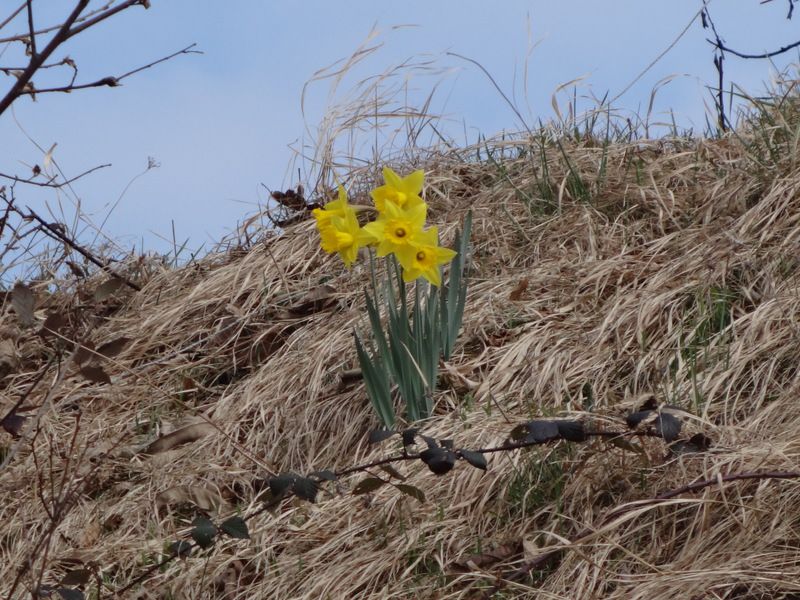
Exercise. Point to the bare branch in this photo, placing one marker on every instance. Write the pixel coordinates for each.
(109, 81)
(52, 183)
(39, 59)
(12, 15)
(68, 29)
(58, 232)
(108, 13)
(31, 28)
(22, 37)
(719, 45)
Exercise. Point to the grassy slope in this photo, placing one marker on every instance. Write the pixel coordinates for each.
(667, 267)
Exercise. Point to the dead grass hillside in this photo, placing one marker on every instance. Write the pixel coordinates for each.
(601, 273)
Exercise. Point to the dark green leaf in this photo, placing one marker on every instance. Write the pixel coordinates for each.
(413, 491)
(203, 532)
(439, 460)
(571, 430)
(667, 426)
(476, 459)
(235, 527)
(76, 577)
(431, 442)
(650, 403)
(378, 435)
(634, 419)
(70, 594)
(541, 431)
(180, 548)
(697, 443)
(370, 484)
(306, 489)
(281, 483)
(701, 441)
(409, 436)
(13, 423)
(393, 472)
(324, 475)
(519, 433)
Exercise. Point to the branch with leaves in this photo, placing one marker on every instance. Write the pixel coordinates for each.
(440, 457)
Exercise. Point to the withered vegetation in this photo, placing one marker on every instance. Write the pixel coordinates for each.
(606, 276)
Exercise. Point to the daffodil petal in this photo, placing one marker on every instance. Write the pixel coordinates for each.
(391, 178)
(412, 184)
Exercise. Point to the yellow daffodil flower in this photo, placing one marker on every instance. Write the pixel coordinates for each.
(395, 228)
(337, 208)
(422, 257)
(403, 192)
(339, 230)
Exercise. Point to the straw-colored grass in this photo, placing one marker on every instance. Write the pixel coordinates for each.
(674, 274)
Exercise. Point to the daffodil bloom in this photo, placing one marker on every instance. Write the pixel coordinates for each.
(395, 228)
(337, 208)
(339, 230)
(403, 192)
(423, 256)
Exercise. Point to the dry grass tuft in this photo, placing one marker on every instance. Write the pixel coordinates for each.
(601, 272)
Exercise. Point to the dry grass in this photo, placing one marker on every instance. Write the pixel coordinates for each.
(673, 270)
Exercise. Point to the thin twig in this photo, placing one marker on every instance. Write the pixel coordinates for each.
(24, 36)
(31, 28)
(781, 50)
(51, 183)
(38, 60)
(109, 81)
(10, 17)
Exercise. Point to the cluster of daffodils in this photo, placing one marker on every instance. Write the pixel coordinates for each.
(399, 228)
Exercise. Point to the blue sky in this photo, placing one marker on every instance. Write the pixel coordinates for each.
(222, 123)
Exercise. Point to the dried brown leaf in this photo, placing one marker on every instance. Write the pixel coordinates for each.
(84, 353)
(316, 300)
(114, 347)
(55, 323)
(23, 300)
(95, 374)
(184, 435)
(517, 292)
(9, 357)
(107, 289)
